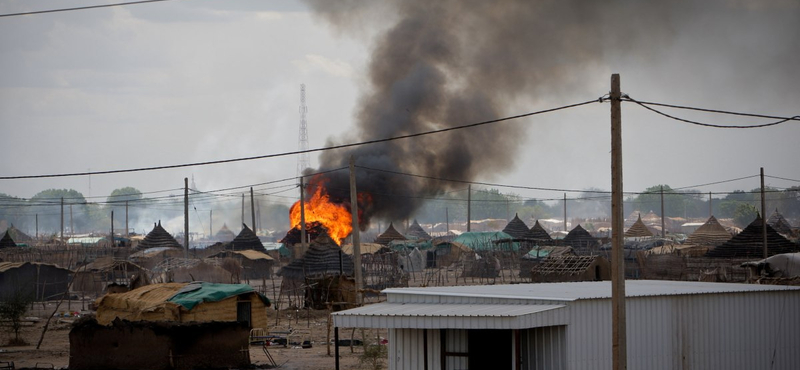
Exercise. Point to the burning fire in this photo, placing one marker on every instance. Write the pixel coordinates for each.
(335, 217)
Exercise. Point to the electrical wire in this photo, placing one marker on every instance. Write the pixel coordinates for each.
(333, 147)
(781, 178)
(81, 8)
(647, 105)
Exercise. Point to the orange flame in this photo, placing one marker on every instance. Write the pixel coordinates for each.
(335, 217)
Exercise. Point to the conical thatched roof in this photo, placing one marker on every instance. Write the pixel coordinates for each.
(538, 233)
(158, 238)
(247, 239)
(224, 234)
(638, 230)
(779, 223)
(749, 243)
(416, 231)
(516, 228)
(579, 237)
(390, 234)
(7, 242)
(321, 259)
(711, 234)
(18, 235)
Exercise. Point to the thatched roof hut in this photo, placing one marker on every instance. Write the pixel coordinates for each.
(256, 265)
(224, 234)
(750, 244)
(158, 237)
(415, 231)
(711, 234)
(321, 259)
(7, 241)
(516, 228)
(247, 239)
(579, 238)
(538, 234)
(18, 236)
(638, 230)
(779, 223)
(390, 234)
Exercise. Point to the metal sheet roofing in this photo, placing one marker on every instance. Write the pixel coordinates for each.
(573, 291)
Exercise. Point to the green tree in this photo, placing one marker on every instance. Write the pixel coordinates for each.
(744, 214)
(12, 307)
(48, 204)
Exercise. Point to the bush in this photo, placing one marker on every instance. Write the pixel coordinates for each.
(12, 307)
(374, 356)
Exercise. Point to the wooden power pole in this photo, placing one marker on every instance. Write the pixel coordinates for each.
(186, 216)
(663, 229)
(303, 237)
(253, 210)
(763, 214)
(619, 338)
(62, 219)
(469, 207)
(355, 232)
(565, 213)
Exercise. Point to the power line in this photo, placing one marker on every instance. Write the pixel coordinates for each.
(81, 8)
(334, 147)
(781, 178)
(646, 105)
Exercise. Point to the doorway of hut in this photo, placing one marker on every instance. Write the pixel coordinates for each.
(490, 349)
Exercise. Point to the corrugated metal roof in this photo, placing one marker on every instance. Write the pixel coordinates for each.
(446, 310)
(587, 290)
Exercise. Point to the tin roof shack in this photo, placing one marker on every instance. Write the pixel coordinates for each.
(255, 265)
(44, 281)
(186, 302)
(162, 345)
(671, 325)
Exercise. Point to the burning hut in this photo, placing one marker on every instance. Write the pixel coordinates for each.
(516, 228)
(580, 240)
(224, 235)
(750, 244)
(323, 274)
(415, 231)
(247, 239)
(638, 230)
(390, 234)
(158, 237)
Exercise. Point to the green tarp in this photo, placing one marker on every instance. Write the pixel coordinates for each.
(195, 293)
(482, 241)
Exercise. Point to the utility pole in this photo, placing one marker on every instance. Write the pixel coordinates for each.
(663, 231)
(253, 210)
(37, 226)
(186, 215)
(112, 228)
(447, 220)
(565, 212)
(763, 214)
(71, 225)
(356, 236)
(710, 206)
(469, 207)
(619, 337)
(303, 241)
(242, 209)
(62, 219)
(127, 235)
(210, 221)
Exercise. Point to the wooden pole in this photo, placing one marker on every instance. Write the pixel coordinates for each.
(619, 337)
(565, 212)
(71, 224)
(242, 208)
(210, 222)
(469, 208)
(355, 233)
(253, 210)
(710, 205)
(663, 231)
(112, 228)
(447, 220)
(186, 215)
(763, 214)
(303, 237)
(62, 219)
(127, 235)
(37, 227)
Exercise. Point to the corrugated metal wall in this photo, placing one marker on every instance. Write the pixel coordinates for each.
(544, 348)
(755, 330)
(406, 349)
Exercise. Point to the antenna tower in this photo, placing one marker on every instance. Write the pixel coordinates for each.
(303, 160)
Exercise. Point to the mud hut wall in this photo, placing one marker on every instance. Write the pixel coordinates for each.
(165, 311)
(226, 309)
(140, 345)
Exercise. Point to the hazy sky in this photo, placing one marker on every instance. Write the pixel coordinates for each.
(202, 80)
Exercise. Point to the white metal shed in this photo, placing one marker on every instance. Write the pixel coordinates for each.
(670, 325)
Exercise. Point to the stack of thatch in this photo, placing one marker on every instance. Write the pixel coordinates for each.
(579, 238)
(538, 234)
(158, 238)
(390, 234)
(711, 234)
(749, 243)
(779, 223)
(247, 239)
(322, 259)
(7, 242)
(417, 232)
(224, 234)
(638, 230)
(516, 228)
